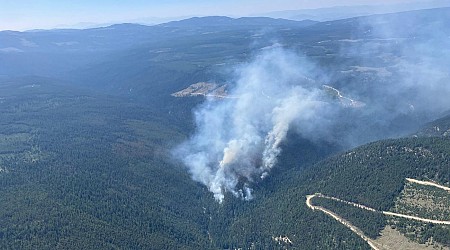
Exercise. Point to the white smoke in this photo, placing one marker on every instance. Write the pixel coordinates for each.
(400, 73)
(238, 140)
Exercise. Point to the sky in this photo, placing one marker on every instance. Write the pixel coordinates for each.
(46, 14)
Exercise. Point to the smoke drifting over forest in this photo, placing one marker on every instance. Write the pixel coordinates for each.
(238, 140)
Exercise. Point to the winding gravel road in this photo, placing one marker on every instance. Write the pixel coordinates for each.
(358, 231)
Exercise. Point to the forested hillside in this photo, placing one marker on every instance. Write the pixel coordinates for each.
(373, 175)
(79, 171)
(439, 127)
(89, 131)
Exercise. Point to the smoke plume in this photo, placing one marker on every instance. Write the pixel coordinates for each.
(238, 139)
(399, 73)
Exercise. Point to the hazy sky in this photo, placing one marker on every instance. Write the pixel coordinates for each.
(32, 14)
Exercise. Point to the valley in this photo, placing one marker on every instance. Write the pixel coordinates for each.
(209, 132)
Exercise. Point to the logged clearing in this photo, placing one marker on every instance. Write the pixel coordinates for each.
(424, 199)
(393, 239)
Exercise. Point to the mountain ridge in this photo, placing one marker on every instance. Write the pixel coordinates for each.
(86, 147)
(241, 21)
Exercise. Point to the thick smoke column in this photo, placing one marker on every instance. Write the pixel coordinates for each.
(396, 65)
(238, 140)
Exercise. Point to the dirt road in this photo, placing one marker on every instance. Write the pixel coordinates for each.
(428, 183)
(358, 231)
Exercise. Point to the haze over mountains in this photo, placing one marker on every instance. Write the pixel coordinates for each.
(114, 137)
(327, 12)
(342, 12)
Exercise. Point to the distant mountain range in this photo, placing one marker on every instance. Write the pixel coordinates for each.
(342, 12)
(234, 22)
(89, 121)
